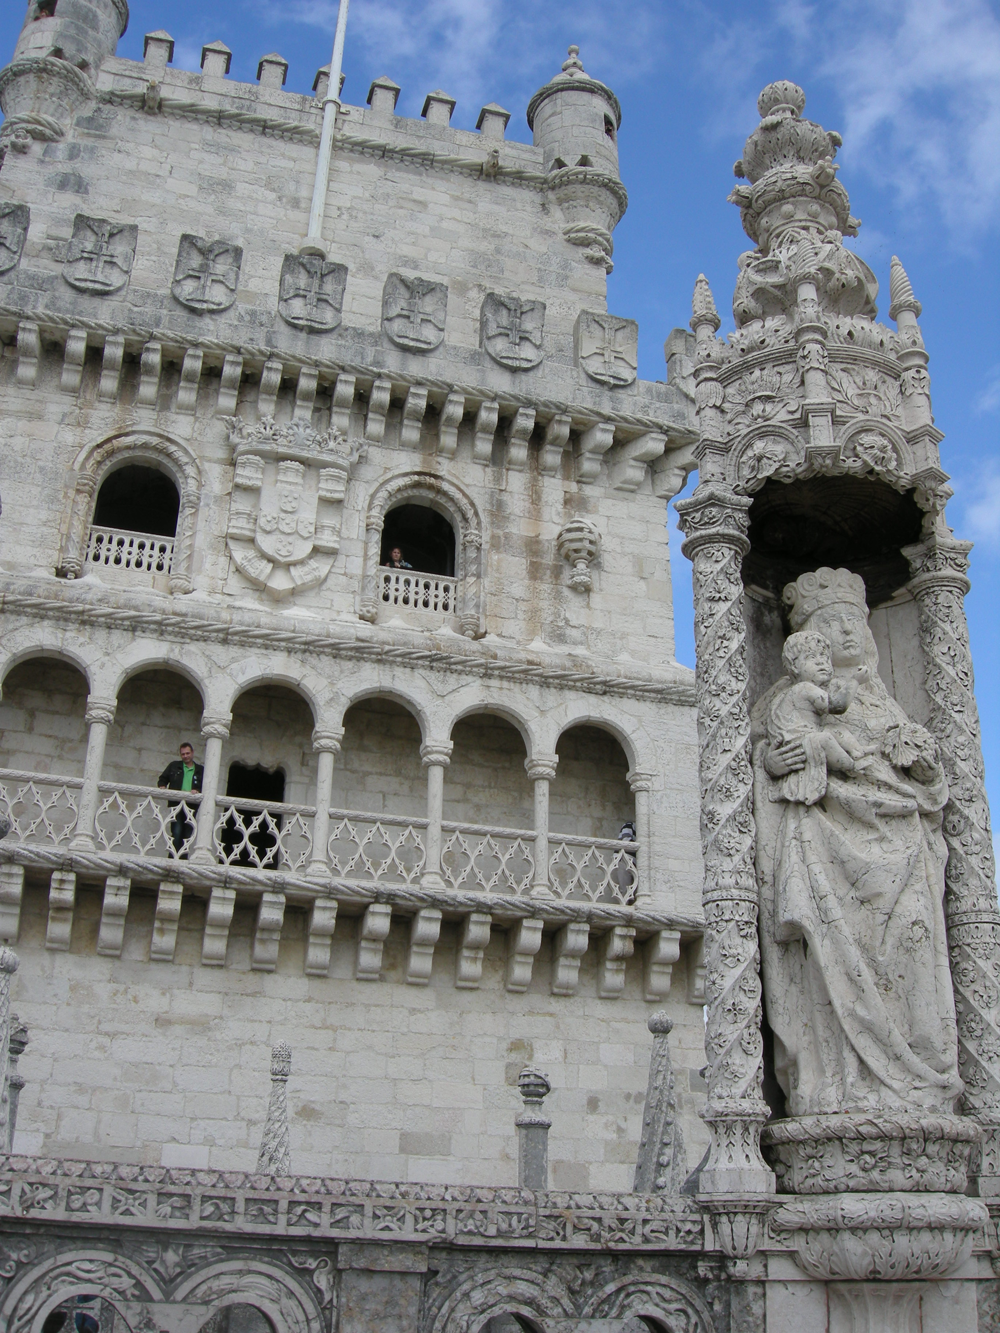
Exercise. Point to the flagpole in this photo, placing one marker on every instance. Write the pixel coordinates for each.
(313, 243)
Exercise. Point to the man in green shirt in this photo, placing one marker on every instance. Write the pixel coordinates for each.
(182, 775)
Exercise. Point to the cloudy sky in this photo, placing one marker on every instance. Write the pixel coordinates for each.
(913, 86)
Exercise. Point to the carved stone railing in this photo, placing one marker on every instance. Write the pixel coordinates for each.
(40, 808)
(265, 835)
(598, 869)
(408, 591)
(376, 849)
(496, 860)
(146, 821)
(139, 554)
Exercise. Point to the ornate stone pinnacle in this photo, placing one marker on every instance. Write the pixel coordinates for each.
(275, 1154)
(703, 309)
(533, 1086)
(781, 98)
(281, 1061)
(574, 62)
(901, 291)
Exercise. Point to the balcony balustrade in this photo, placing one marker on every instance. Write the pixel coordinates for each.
(363, 849)
(139, 556)
(417, 592)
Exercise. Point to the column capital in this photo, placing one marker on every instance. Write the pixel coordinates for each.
(715, 515)
(640, 779)
(938, 562)
(215, 726)
(541, 766)
(327, 739)
(100, 710)
(436, 754)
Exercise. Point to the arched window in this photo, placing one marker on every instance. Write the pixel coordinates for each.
(424, 538)
(238, 1319)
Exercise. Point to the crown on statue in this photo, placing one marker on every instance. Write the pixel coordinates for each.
(820, 588)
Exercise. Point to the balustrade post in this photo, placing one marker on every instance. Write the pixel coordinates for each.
(99, 716)
(435, 756)
(541, 769)
(715, 522)
(641, 784)
(326, 744)
(214, 730)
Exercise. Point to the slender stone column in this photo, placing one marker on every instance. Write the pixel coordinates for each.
(533, 1127)
(214, 731)
(275, 1157)
(715, 522)
(8, 966)
(15, 1080)
(368, 605)
(326, 744)
(435, 756)
(99, 716)
(471, 593)
(641, 785)
(939, 585)
(541, 769)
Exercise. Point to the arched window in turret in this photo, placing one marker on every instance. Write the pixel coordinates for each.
(418, 537)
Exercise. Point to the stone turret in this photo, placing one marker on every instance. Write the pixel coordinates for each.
(61, 47)
(575, 119)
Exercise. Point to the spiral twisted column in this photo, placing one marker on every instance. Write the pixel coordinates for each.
(8, 966)
(715, 522)
(939, 585)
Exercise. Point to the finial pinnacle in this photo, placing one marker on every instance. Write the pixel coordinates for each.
(901, 291)
(574, 63)
(781, 98)
(703, 309)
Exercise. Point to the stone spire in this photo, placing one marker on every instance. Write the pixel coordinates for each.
(275, 1155)
(703, 309)
(901, 292)
(661, 1166)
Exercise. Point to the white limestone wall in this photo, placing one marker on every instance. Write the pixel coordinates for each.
(168, 1062)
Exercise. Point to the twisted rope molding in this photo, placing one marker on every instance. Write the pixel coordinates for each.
(302, 890)
(178, 626)
(545, 407)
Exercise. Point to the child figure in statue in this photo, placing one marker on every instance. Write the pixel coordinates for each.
(798, 713)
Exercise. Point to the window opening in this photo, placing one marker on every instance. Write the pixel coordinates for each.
(238, 1319)
(609, 128)
(80, 1314)
(242, 827)
(45, 9)
(425, 539)
(136, 498)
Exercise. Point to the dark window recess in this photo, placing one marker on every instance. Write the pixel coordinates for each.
(425, 537)
(238, 1319)
(138, 499)
(248, 828)
(609, 128)
(45, 9)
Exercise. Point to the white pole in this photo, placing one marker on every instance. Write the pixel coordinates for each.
(313, 244)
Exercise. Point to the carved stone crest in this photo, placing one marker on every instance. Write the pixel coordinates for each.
(511, 330)
(288, 490)
(14, 219)
(413, 312)
(206, 274)
(607, 348)
(100, 255)
(311, 294)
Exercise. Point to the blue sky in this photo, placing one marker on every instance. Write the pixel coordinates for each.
(913, 86)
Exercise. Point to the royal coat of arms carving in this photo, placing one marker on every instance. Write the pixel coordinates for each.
(511, 330)
(14, 219)
(100, 255)
(607, 348)
(289, 484)
(207, 274)
(413, 312)
(311, 293)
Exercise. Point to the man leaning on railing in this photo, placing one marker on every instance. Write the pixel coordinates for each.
(182, 775)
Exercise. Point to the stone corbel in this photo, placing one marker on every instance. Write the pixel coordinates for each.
(270, 383)
(372, 932)
(659, 954)
(111, 934)
(62, 902)
(629, 460)
(342, 403)
(218, 919)
(591, 447)
(74, 356)
(150, 370)
(472, 944)
(579, 543)
(672, 469)
(187, 389)
(412, 420)
(169, 899)
(485, 430)
(425, 930)
(11, 896)
(111, 368)
(267, 934)
(29, 349)
(379, 397)
(451, 418)
(554, 441)
(615, 947)
(322, 922)
(518, 436)
(523, 942)
(305, 394)
(568, 948)
(229, 385)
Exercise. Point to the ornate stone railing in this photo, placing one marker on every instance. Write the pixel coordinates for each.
(376, 849)
(136, 553)
(103, 1193)
(266, 835)
(410, 591)
(495, 860)
(146, 821)
(600, 869)
(41, 808)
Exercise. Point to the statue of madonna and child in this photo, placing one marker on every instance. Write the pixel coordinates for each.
(848, 801)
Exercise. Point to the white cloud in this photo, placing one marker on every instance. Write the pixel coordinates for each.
(988, 399)
(982, 515)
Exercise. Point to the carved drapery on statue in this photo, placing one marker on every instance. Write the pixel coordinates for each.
(855, 954)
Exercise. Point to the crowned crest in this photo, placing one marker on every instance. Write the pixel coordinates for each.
(820, 588)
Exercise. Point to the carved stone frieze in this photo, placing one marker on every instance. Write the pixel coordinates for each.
(413, 312)
(206, 274)
(765, 394)
(311, 293)
(289, 484)
(14, 221)
(607, 348)
(865, 391)
(100, 255)
(511, 330)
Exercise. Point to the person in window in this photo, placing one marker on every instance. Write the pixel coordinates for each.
(396, 560)
(182, 775)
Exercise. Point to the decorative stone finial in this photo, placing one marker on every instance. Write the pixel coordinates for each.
(900, 291)
(275, 1157)
(533, 1086)
(533, 1127)
(573, 64)
(579, 543)
(661, 1165)
(703, 309)
(781, 98)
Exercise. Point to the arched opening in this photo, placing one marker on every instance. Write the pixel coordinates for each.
(44, 9)
(379, 797)
(592, 818)
(84, 1314)
(424, 537)
(509, 1323)
(239, 1318)
(134, 523)
(488, 808)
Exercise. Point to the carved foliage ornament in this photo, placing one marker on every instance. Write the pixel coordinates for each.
(865, 391)
(413, 312)
(206, 274)
(311, 293)
(288, 490)
(765, 394)
(607, 348)
(511, 330)
(14, 219)
(100, 255)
